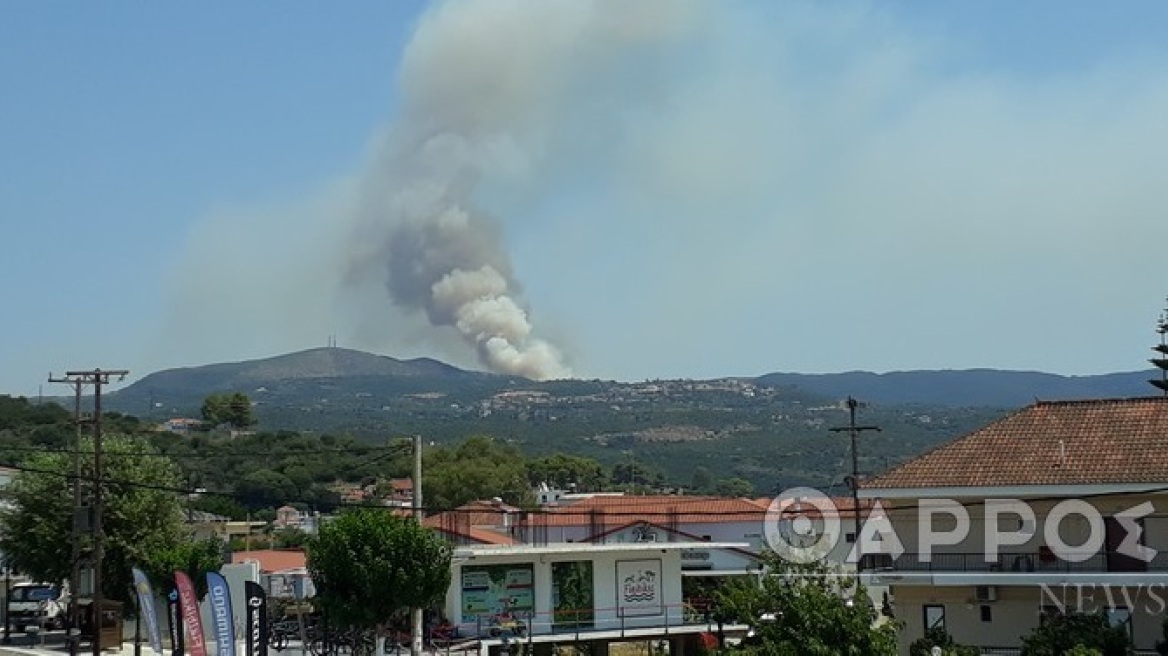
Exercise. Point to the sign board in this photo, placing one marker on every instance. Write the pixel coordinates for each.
(494, 590)
(638, 587)
(696, 559)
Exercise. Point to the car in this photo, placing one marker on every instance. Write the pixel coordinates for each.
(37, 604)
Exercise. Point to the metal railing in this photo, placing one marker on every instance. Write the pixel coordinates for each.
(577, 623)
(1021, 561)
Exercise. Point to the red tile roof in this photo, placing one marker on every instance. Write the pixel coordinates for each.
(661, 509)
(1102, 441)
(272, 560)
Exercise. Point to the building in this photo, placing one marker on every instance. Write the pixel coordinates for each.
(574, 593)
(283, 573)
(206, 525)
(1058, 507)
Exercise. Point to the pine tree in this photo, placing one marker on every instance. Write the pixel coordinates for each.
(1161, 357)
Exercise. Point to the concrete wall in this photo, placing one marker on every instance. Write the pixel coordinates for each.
(1016, 612)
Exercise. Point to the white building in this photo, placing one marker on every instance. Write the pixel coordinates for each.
(572, 592)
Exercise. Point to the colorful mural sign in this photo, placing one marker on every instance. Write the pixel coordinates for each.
(638, 587)
(573, 600)
(497, 590)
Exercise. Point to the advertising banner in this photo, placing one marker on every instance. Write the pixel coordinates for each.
(176, 631)
(638, 587)
(497, 590)
(146, 607)
(188, 603)
(220, 595)
(257, 619)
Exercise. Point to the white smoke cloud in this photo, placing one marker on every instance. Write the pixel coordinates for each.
(482, 84)
(699, 183)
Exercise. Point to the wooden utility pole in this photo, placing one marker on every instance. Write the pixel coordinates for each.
(74, 636)
(416, 624)
(854, 480)
(97, 378)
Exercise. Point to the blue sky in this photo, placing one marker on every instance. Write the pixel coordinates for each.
(754, 187)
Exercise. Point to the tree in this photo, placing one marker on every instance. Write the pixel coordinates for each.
(142, 515)
(235, 410)
(637, 476)
(1061, 633)
(734, 487)
(567, 472)
(195, 557)
(369, 566)
(479, 468)
(939, 637)
(702, 481)
(807, 609)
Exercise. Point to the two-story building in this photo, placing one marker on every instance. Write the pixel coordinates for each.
(1058, 507)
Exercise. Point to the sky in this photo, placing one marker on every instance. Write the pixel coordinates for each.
(661, 189)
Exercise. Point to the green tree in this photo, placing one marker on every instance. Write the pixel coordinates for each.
(702, 481)
(939, 637)
(369, 566)
(810, 609)
(636, 476)
(141, 517)
(567, 472)
(478, 468)
(234, 410)
(1061, 633)
(734, 487)
(195, 557)
(265, 488)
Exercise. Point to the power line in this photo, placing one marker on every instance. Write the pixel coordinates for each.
(270, 453)
(678, 508)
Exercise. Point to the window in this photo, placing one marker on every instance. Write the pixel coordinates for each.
(987, 613)
(934, 617)
(850, 537)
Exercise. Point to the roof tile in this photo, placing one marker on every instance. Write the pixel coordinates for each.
(1091, 442)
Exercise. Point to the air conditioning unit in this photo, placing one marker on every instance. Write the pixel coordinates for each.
(986, 593)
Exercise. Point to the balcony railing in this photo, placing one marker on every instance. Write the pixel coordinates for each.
(579, 623)
(1041, 561)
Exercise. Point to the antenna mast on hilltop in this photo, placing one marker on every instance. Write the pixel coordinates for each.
(1161, 359)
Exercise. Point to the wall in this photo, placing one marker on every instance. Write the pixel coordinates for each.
(1016, 612)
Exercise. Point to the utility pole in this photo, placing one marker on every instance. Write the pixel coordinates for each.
(854, 480)
(97, 378)
(416, 624)
(74, 637)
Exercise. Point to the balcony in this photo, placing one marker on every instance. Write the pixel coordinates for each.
(1041, 561)
(593, 624)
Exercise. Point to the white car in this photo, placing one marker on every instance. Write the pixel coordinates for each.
(36, 604)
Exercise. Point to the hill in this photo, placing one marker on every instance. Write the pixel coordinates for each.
(969, 388)
(766, 429)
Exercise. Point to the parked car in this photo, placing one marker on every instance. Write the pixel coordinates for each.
(37, 604)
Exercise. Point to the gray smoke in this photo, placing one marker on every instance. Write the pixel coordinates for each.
(480, 89)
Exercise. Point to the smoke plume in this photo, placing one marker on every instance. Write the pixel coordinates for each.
(479, 84)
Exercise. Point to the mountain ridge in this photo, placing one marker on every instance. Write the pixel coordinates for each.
(975, 387)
